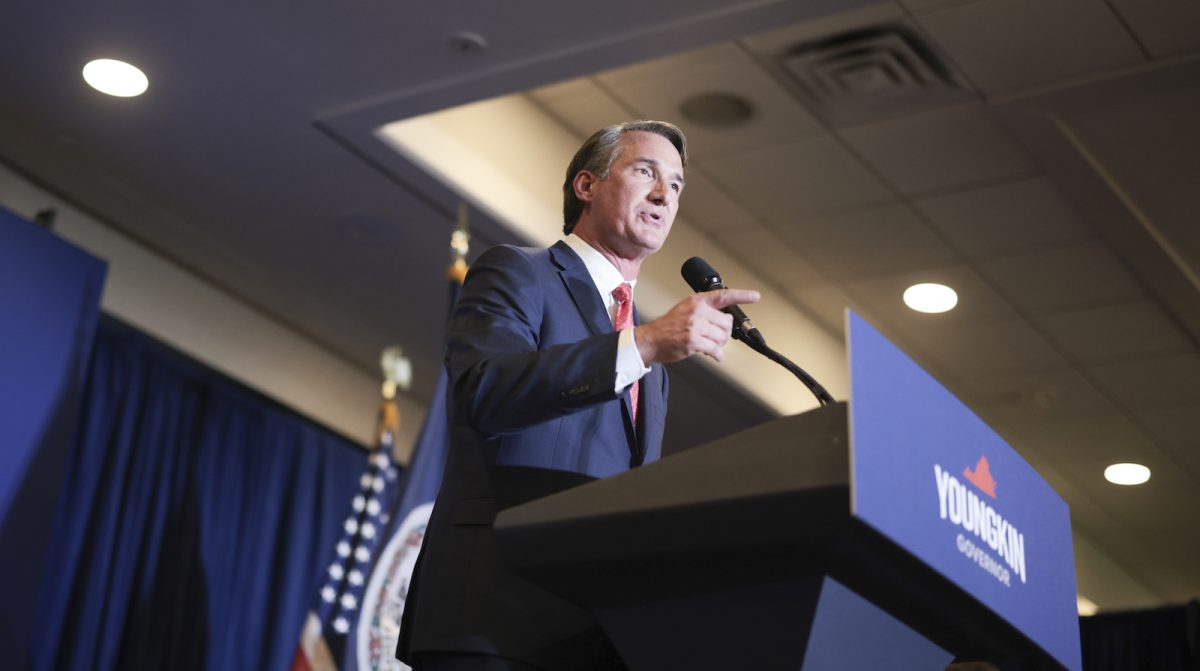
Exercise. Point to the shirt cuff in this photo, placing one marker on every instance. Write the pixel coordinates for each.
(630, 367)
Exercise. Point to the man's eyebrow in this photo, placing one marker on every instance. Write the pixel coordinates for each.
(655, 162)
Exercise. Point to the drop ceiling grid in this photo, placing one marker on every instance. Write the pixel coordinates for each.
(1048, 394)
(1004, 219)
(978, 301)
(940, 150)
(1152, 382)
(1164, 28)
(1115, 332)
(579, 106)
(1065, 278)
(712, 208)
(1097, 513)
(1008, 45)
(1147, 143)
(763, 249)
(798, 179)
(1152, 518)
(776, 117)
(865, 243)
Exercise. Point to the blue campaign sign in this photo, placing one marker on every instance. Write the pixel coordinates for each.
(49, 307)
(933, 477)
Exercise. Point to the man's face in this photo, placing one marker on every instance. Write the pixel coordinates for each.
(631, 211)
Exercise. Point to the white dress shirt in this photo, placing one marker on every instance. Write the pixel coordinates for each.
(606, 277)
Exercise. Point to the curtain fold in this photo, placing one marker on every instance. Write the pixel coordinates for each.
(195, 520)
(1159, 638)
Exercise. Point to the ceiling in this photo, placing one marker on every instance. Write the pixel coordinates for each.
(1048, 172)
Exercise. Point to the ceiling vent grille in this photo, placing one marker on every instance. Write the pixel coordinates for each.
(871, 74)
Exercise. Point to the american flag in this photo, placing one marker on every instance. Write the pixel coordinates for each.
(335, 613)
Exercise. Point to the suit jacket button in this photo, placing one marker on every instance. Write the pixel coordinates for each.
(576, 391)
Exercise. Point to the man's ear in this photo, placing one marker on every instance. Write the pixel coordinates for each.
(584, 183)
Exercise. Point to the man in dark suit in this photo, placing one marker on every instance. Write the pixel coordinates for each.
(553, 385)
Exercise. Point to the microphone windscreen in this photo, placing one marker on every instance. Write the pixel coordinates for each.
(699, 275)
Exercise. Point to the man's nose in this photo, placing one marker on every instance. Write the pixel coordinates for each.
(658, 194)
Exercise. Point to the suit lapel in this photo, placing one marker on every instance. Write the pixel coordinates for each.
(650, 426)
(581, 288)
(579, 284)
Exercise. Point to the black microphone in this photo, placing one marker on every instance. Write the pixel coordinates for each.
(701, 277)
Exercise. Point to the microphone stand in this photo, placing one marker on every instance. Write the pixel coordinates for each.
(760, 345)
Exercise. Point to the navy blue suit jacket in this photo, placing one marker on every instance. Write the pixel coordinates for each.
(531, 355)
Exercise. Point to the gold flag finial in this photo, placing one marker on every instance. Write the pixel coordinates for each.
(397, 376)
(460, 244)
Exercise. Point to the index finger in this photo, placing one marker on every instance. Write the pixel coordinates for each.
(723, 298)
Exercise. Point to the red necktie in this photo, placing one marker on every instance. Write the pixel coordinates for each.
(624, 319)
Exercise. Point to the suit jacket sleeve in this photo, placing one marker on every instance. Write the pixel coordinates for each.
(505, 371)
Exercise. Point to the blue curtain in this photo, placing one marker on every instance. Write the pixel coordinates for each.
(195, 520)
(1160, 638)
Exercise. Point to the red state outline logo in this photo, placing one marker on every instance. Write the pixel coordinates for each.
(981, 477)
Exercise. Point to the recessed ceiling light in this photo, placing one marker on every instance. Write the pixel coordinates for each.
(1127, 474)
(467, 41)
(116, 78)
(931, 298)
(717, 110)
(1085, 606)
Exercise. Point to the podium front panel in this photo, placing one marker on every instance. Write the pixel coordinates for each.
(931, 476)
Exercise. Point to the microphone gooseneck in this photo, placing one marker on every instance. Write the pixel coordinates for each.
(701, 277)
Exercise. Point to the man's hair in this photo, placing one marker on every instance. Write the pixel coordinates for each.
(598, 153)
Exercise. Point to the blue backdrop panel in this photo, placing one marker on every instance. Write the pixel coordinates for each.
(49, 303)
(937, 480)
(195, 521)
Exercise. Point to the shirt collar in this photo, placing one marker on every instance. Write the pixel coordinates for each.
(604, 274)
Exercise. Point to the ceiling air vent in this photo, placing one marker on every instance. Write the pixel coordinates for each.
(871, 74)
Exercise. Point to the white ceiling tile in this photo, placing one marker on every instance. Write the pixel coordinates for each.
(778, 41)
(919, 6)
(1005, 218)
(797, 180)
(565, 90)
(586, 112)
(1068, 277)
(1144, 134)
(938, 150)
(1165, 27)
(1036, 396)
(707, 205)
(1092, 442)
(1113, 331)
(777, 116)
(765, 253)
(827, 303)
(676, 65)
(866, 243)
(1083, 447)
(1005, 45)
(976, 300)
(1152, 383)
(1177, 430)
(969, 349)
(1176, 427)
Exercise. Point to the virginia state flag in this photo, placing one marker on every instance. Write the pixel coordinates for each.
(328, 636)
(383, 602)
(387, 589)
